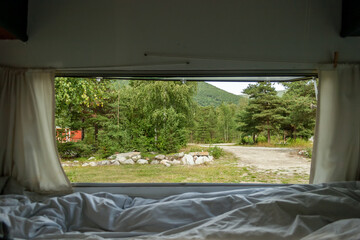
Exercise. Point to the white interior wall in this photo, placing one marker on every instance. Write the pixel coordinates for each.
(258, 34)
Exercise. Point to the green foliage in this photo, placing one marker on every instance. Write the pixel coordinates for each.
(261, 139)
(209, 95)
(75, 149)
(299, 101)
(246, 140)
(263, 113)
(308, 152)
(118, 116)
(216, 152)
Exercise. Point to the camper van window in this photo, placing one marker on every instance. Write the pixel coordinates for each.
(199, 130)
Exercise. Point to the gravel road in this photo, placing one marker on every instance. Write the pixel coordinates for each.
(286, 160)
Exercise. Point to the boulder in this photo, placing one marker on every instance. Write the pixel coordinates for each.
(166, 163)
(136, 157)
(142, 161)
(155, 162)
(91, 158)
(188, 160)
(104, 162)
(211, 158)
(199, 154)
(65, 165)
(178, 155)
(175, 162)
(126, 155)
(128, 161)
(201, 160)
(93, 164)
(112, 157)
(85, 165)
(160, 157)
(120, 158)
(116, 163)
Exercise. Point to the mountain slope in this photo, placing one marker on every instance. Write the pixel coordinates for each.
(209, 95)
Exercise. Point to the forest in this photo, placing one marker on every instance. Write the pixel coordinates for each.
(163, 116)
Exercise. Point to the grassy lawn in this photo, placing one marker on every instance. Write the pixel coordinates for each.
(223, 170)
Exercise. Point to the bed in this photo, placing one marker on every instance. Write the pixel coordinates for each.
(309, 211)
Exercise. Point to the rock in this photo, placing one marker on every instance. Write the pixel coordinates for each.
(112, 157)
(155, 162)
(199, 154)
(188, 160)
(65, 165)
(91, 158)
(175, 162)
(202, 160)
(85, 165)
(160, 157)
(93, 164)
(116, 163)
(178, 155)
(142, 161)
(76, 161)
(113, 161)
(126, 155)
(120, 158)
(128, 161)
(104, 162)
(136, 157)
(211, 158)
(166, 163)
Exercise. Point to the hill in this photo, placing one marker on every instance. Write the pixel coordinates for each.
(209, 95)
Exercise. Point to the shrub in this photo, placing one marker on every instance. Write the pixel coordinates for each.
(75, 149)
(246, 140)
(216, 152)
(308, 152)
(261, 138)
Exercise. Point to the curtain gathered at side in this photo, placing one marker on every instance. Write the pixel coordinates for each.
(28, 151)
(336, 155)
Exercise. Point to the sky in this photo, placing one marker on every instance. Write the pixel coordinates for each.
(238, 87)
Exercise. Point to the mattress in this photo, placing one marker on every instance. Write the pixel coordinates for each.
(322, 211)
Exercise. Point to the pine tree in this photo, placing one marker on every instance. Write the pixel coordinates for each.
(299, 101)
(264, 111)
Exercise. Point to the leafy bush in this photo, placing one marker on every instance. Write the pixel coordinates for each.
(246, 140)
(308, 152)
(216, 152)
(75, 149)
(261, 138)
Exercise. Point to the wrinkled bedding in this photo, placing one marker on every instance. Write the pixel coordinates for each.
(324, 211)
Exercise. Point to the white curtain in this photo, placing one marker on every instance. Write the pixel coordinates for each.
(336, 155)
(28, 150)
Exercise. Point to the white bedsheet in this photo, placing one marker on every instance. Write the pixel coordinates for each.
(325, 211)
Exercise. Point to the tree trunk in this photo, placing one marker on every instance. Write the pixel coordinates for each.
(96, 131)
(82, 130)
(118, 110)
(268, 131)
(284, 137)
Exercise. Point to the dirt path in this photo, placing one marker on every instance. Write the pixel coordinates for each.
(286, 160)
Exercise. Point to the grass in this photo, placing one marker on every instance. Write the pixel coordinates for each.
(223, 170)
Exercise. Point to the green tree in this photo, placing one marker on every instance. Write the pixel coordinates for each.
(79, 102)
(299, 101)
(264, 111)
